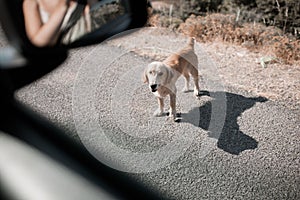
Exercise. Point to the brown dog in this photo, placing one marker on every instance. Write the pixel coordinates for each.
(162, 76)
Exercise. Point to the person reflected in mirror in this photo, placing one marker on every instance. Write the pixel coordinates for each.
(48, 22)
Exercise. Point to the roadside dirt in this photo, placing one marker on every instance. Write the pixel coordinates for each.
(236, 66)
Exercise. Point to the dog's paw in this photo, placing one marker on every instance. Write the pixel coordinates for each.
(172, 114)
(175, 118)
(185, 90)
(197, 93)
(158, 113)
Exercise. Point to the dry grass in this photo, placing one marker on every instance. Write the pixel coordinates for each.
(228, 28)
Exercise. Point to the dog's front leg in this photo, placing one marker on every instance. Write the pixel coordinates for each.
(172, 105)
(160, 111)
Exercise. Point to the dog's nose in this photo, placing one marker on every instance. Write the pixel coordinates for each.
(153, 87)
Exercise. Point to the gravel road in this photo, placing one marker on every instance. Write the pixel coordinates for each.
(232, 143)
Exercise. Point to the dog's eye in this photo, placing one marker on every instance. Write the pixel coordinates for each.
(160, 73)
(151, 72)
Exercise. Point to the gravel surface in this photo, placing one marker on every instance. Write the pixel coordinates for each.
(243, 135)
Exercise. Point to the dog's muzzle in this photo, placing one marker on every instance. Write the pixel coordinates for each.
(154, 87)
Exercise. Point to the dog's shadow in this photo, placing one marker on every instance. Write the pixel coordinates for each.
(230, 138)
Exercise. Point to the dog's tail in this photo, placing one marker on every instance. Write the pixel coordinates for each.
(191, 42)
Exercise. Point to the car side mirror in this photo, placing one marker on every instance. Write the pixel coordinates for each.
(73, 23)
(27, 60)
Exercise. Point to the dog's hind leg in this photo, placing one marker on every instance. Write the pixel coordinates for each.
(195, 75)
(172, 106)
(186, 83)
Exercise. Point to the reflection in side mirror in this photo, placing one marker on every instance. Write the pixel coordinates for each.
(66, 22)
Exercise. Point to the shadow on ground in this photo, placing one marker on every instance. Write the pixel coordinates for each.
(231, 139)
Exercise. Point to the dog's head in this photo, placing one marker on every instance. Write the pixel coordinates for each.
(157, 74)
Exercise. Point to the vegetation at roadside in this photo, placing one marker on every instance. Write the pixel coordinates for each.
(269, 25)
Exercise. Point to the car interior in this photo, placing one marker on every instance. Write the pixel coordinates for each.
(37, 160)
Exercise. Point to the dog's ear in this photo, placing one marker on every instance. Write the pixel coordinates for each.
(170, 75)
(145, 77)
